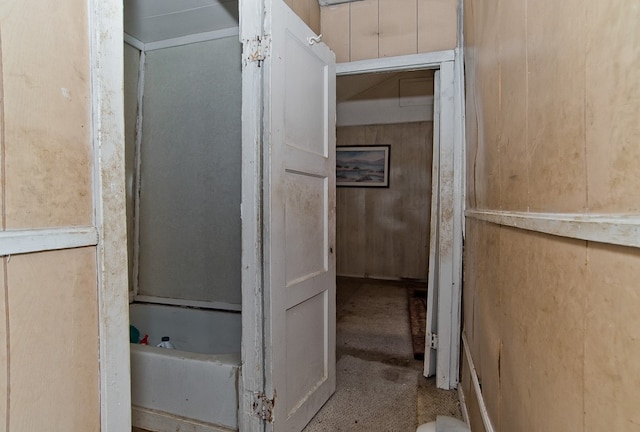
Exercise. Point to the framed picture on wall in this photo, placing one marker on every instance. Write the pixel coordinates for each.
(362, 166)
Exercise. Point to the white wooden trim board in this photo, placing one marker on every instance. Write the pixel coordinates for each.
(189, 303)
(105, 29)
(616, 229)
(40, 240)
(136, 43)
(484, 414)
(190, 39)
(463, 405)
(182, 40)
(448, 253)
(251, 381)
(430, 60)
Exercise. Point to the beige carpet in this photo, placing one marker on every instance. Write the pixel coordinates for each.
(380, 387)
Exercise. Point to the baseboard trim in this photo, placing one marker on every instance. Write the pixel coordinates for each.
(486, 420)
(463, 406)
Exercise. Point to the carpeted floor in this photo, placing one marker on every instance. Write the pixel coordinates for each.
(380, 387)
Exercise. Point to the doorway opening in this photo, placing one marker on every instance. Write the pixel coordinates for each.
(445, 279)
(183, 141)
(442, 253)
(382, 251)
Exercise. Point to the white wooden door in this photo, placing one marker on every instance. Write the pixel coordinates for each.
(432, 293)
(299, 219)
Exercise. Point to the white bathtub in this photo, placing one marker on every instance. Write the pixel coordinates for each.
(194, 387)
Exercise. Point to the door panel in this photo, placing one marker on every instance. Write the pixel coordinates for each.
(303, 130)
(299, 220)
(307, 360)
(305, 249)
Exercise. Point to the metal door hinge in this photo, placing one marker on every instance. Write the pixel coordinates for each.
(263, 407)
(433, 341)
(256, 50)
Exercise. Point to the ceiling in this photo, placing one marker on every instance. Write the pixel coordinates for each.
(374, 85)
(155, 20)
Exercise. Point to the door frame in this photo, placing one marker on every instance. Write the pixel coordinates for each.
(450, 191)
(251, 385)
(105, 29)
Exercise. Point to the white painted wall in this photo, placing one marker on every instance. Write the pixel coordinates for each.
(190, 161)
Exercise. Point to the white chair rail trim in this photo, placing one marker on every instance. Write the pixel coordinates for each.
(615, 229)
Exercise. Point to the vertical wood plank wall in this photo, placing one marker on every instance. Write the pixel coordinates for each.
(552, 126)
(308, 11)
(384, 28)
(384, 233)
(48, 303)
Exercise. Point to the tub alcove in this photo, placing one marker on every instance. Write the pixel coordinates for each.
(183, 159)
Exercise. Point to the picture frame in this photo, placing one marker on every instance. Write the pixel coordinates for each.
(363, 166)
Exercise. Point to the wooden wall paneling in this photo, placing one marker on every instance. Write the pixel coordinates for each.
(465, 385)
(335, 22)
(472, 124)
(384, 232)
(556, 65)
(350, 233)
(516, 407)
(471, 132)
(470, 294)
(553, 319)
(351, 226)
(471, 401)
(437, 25)
(308, 11)
(613, 106)
(54, 341)
(301, 8)
(363, 24)
(4, 354)
(567, 318)
(473, 407)
(379, 219)
(417, 196)
(471, 251)
(487, 162)
(398, 27)
(314, 16)
(47, 114)
(512, 121)
(487, 340)
(379, 214)
(382, 28)
(612, 339)
(396, 215)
